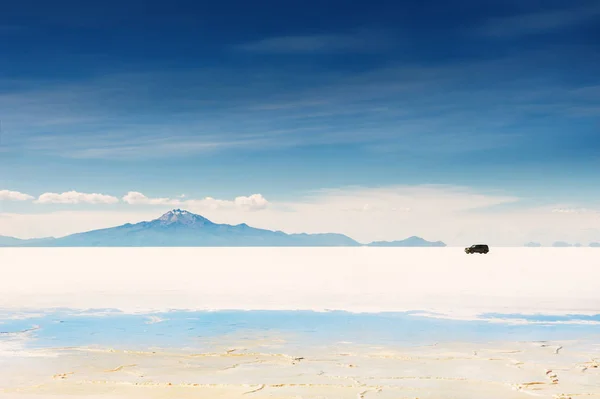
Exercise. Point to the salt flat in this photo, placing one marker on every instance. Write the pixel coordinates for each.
(165, 349)
(446, 280)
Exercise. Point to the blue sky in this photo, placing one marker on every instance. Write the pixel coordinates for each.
(230, 98)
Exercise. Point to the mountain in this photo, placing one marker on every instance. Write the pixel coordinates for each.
(409, 242)
(179, 228)
(533, 245)
(595, 244)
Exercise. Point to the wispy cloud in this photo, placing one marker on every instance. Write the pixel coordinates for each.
(394, 107)
(362, 42)
(574, 210)
(541, 22)
(8, 29)
(450, 143)
(158, 147)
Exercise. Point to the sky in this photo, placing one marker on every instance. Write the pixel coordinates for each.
(452, 120)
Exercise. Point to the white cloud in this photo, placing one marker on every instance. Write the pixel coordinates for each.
(7, 195)
(455, 215)
(253, 202)
(74, 197)
(136, 198)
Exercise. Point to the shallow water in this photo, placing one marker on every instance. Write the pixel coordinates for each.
(192, 328)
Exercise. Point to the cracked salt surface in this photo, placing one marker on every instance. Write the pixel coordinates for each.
(498, 370)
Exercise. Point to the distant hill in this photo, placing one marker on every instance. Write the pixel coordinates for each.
(409, 242)
(533, 245)
(595, 244)
(180, 228)
(10, 241)
(562, 244)
(15, 242)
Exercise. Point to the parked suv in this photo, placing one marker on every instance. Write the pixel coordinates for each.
(477, 248)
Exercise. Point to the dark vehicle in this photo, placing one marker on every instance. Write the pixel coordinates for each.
(477, 248)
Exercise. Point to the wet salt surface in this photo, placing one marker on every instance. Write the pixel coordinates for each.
(62, 328)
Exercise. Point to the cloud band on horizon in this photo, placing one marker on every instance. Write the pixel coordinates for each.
(436, 212)
(252, 202)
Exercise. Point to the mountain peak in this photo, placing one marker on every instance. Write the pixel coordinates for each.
(178, 212)
(182, 217)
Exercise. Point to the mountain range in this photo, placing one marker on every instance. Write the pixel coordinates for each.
(561, 244)
(180, 228)
(409, 242)
(533, 245)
